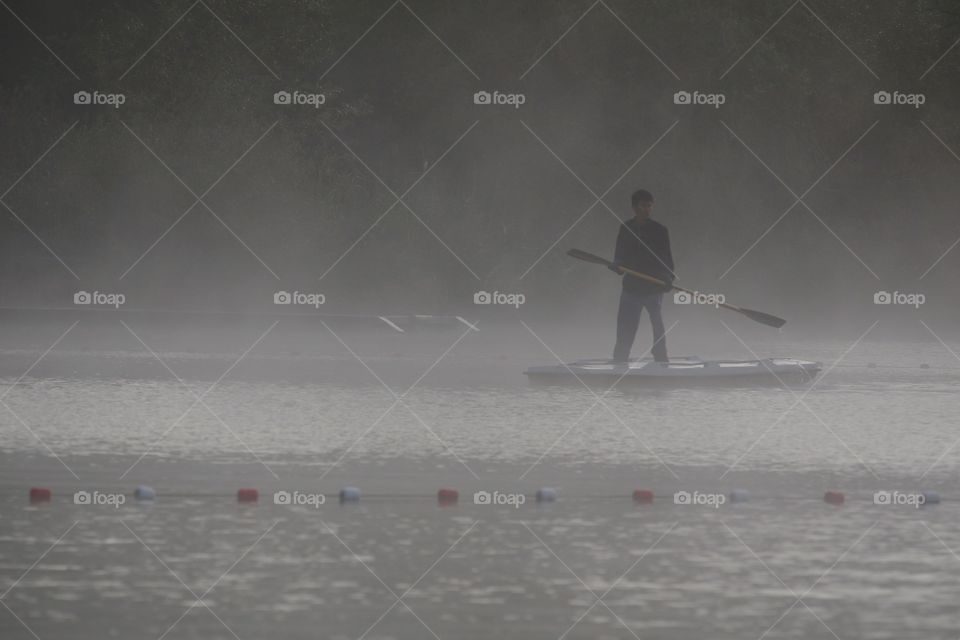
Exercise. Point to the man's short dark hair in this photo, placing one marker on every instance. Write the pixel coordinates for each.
(640, 195)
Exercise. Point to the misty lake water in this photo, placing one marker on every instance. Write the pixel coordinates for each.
(591, 565)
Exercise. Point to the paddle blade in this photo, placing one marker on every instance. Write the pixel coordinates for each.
(763, 318)
(588, 257)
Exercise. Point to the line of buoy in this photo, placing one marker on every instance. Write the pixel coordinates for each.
(874, 365)
(448, 496)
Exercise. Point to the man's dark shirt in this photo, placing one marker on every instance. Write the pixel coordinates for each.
(650, 254)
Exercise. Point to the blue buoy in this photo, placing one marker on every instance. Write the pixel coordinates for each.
(931, 497)
(349, 494)
(143, 492)
(739, 495)
(546, 494)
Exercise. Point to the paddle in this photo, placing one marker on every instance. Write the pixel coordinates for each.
(756, 316)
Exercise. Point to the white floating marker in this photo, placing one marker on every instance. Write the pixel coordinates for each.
(349, 494)
(144, 493)
(546, 494)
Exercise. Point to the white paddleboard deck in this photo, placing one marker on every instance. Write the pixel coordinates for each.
(682, 368)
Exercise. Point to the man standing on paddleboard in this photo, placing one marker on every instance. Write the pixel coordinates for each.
(643, 245)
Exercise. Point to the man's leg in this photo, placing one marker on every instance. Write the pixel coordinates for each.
(653, 304)
(628, 319)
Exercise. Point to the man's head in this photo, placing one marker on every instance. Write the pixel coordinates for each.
(642, 202)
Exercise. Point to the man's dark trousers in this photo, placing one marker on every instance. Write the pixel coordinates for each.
(628, 319)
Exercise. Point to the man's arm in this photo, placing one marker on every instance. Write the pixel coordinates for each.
(620, 251)
(667, 254)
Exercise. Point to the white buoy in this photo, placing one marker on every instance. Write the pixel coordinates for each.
(546, 494)
(349, 494)
(144, 493)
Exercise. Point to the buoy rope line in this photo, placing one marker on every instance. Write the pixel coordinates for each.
(282, 497)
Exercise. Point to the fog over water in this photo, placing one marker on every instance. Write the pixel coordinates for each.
(273, 274)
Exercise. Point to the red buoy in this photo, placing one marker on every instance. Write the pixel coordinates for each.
(447, 496)
(833, 497)
(643, 496)
(40, 494)
(247, 495)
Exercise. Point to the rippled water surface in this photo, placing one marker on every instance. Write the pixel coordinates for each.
(892, 419)
(531, 572)
(195, 564)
